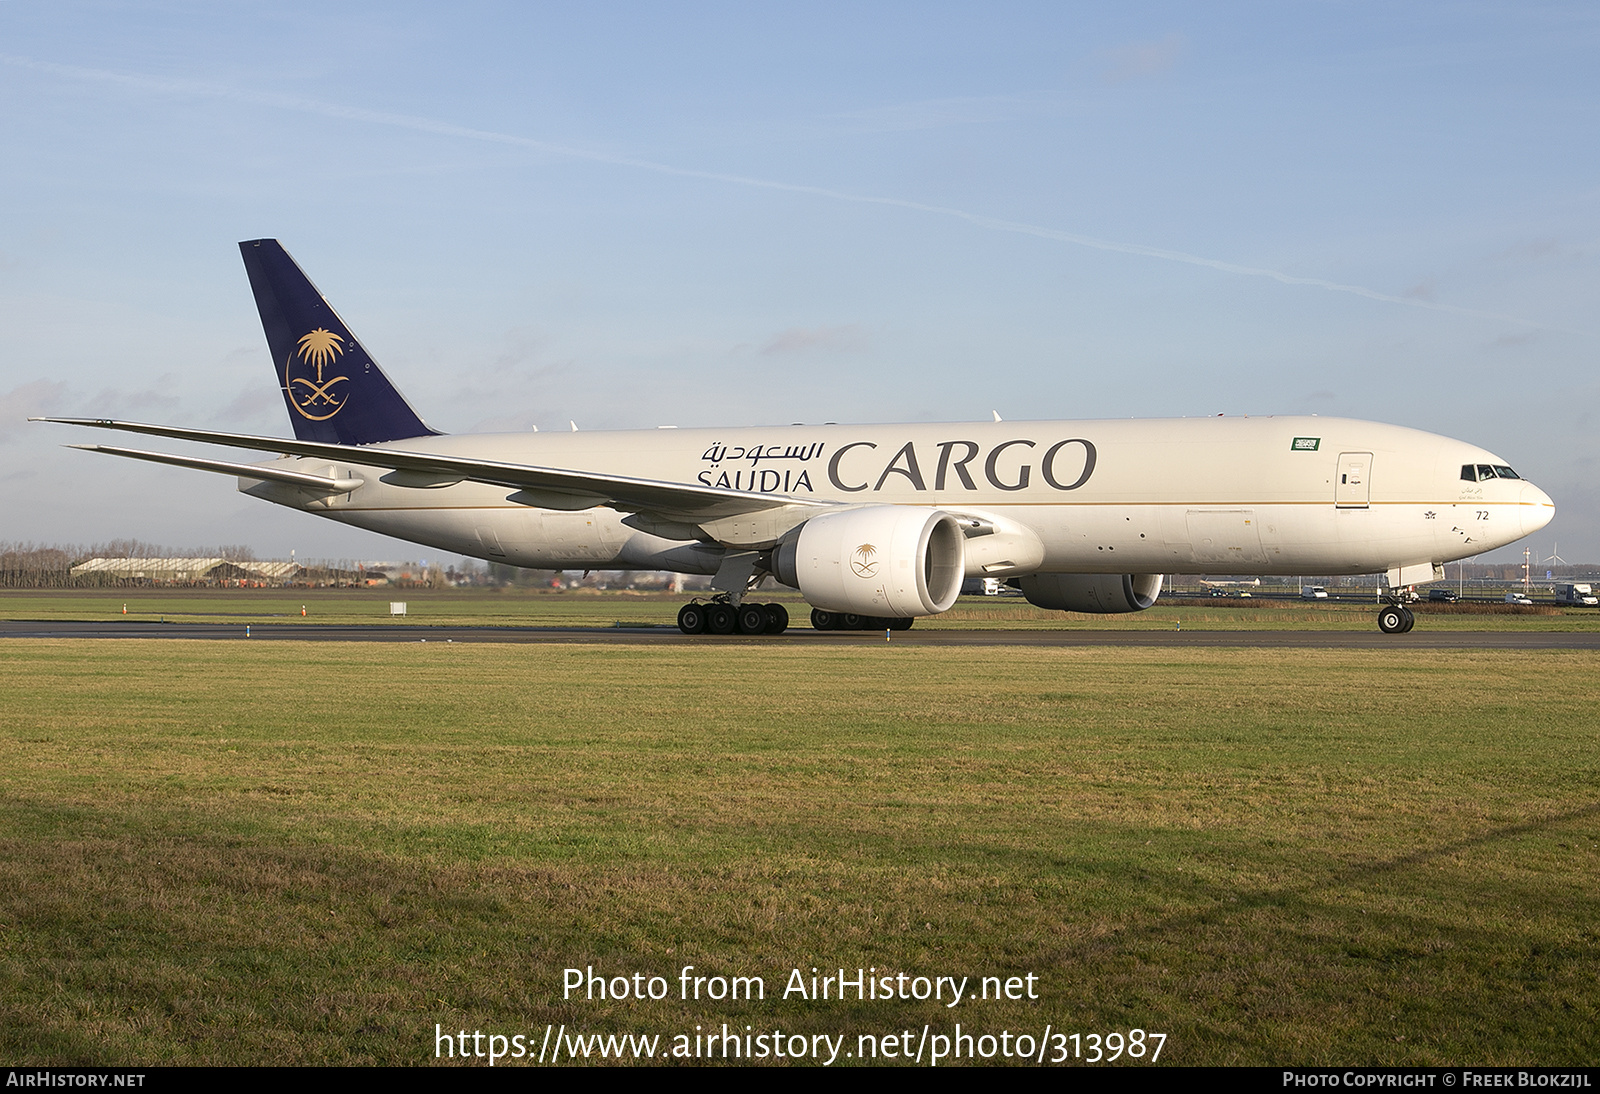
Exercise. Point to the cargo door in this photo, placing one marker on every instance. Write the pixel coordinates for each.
(583, 536)
(489, 540)
(1351, 488)
(1225, 540)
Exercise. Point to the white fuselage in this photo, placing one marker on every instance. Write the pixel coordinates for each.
(1272, 495)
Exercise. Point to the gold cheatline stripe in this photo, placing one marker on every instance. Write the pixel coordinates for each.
(1006, 504)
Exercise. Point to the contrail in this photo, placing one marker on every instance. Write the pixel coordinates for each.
(448, 129)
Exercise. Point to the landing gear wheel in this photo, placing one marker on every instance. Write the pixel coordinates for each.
(721, 619)
(777, 619)
(901, 624)
(849, 621)
(823, 621)
(1392, 619)
(692, 619)
(1411, 620)
(753, 619)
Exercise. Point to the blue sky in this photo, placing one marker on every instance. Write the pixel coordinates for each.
(735, 214)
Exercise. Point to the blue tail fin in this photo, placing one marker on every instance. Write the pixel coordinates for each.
(335, 391)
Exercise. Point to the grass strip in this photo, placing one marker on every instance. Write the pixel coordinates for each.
(312, 853)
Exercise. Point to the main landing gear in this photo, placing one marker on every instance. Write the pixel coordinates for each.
(849, 621)
(1395, 619)
(723, 617)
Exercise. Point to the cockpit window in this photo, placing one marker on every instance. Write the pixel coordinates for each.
(1483, 472)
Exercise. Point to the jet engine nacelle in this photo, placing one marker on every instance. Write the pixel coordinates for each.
(1101, 594)
(880, 560)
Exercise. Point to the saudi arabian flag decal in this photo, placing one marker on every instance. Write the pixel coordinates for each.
(1305, 444)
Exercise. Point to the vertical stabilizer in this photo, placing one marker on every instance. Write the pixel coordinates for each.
(335, 391)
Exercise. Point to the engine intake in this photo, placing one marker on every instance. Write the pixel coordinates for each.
(879, 560)
(1099, 594)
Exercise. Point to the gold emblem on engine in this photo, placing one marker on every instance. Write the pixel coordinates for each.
(315, 398)
(864, 561)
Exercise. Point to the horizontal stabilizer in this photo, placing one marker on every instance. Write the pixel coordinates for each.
(324, 483)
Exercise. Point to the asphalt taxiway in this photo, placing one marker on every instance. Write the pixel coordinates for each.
(1420, 638)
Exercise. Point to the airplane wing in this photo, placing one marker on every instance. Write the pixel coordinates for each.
(561, 487)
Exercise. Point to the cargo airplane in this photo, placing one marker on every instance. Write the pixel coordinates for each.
(874, 524)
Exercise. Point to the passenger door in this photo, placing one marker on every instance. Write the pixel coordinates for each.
(1351, 489)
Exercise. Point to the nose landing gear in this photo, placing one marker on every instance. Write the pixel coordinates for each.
(1395, 619)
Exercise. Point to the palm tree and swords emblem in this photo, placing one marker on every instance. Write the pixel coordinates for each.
(864, 561)
(318, 349)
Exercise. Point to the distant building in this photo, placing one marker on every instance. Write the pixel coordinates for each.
(190, 571)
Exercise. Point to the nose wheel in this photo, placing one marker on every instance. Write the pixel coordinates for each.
(1395, 619)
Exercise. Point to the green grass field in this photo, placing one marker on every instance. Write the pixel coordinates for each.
(285, 853)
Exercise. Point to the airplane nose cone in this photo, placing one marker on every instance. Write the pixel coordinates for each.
(1536, 508)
